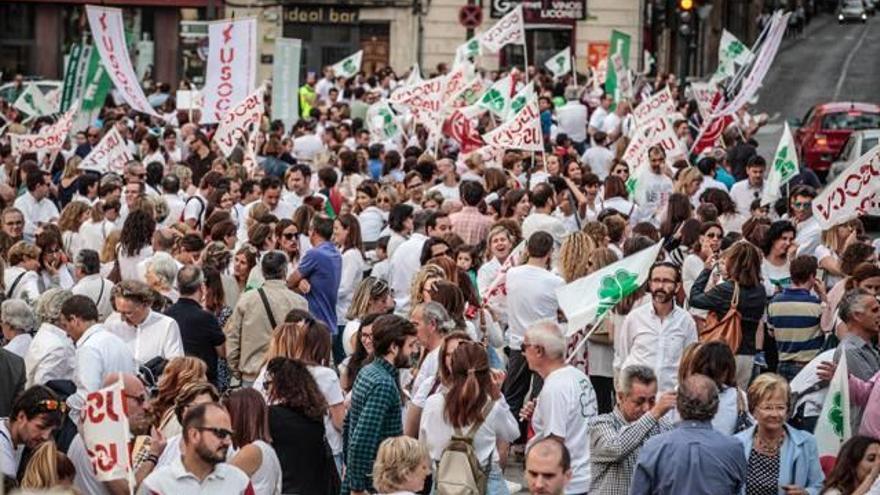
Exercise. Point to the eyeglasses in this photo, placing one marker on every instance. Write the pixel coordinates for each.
(289, 235)
(801, 205)
(713, 235)
(221, 433)
(267, 384)
(367, 336)
(380, 288)
(384, 200)
(140, 399)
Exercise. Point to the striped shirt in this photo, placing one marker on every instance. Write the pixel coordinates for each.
(794, 315)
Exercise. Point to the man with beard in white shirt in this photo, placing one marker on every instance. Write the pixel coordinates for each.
(566, 404)
(325, 84)
(35, 204)
(299, 179)
(655, 335)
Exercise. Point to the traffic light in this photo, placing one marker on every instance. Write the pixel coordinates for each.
(685, 17)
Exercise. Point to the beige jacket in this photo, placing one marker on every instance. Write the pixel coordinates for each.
(248, 329)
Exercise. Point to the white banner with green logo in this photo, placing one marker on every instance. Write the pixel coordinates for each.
(783, 169)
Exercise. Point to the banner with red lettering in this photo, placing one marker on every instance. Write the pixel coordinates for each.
(457, 81)
(852, 192)
(658, 105)
(522, 132)
(658, 133)
(424, 96)
(108, 32)
(232, 66)
(509, 30)
(459, 127)
(105, 433)
(110, 155)
(50, 138)
(237, 121)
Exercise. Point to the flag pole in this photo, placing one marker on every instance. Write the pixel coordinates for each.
(574, 72)
(586, 337)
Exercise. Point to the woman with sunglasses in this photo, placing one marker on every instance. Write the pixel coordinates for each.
(708, 245)
(287, 234)
(296, 413)
(387, 198)
(254, 454)
(55, 269)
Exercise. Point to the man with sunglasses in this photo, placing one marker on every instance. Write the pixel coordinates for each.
(207, 435)
(35, 415)
(98, 351)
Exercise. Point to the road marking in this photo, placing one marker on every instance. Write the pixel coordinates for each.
(848, 61)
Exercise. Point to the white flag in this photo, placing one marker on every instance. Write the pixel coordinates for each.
(510, 29)
(522, 132)
(415, 75)
(586, 299)
(833, 427)
(468, 51)
(731, 52)
(497, 98)
(108, 31)
(852, 192)
(50, 138)
(232, 66)
(349, 66)
(560, 64)
(382, 122)
(239, 120)
(523, 96)
(660, 104)
(783, 169)
(105, 433)
(32, 102)
(457, 81)
(110, 155)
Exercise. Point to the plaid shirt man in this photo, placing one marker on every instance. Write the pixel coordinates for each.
(373, 417)
(614, 449)
(471, 225)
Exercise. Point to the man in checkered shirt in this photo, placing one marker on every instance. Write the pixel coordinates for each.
(617, 437)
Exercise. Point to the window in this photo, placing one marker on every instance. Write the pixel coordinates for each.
(868, 143)
(850, 120)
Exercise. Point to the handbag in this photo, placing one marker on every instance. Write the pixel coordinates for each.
(743, 421)
(729, 328)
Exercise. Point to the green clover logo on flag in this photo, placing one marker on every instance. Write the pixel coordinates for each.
(835, 414)
(494, 100)
(784, 165)
(631, 184)
(560, 62)
(473, 45)
(615, 287)
(29, 99)
(517, 104)
(349, 67)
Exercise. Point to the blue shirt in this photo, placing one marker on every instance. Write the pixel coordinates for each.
(322, 267)
(724, 177)
(692, 459)
(794, 315)
(375, 168)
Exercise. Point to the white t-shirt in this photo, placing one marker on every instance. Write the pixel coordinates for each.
(775, 277)
(435, 432)
(531, 298)
(448, 192)
(9, 455)
(599, 158)
(428, 369)
(565, 406)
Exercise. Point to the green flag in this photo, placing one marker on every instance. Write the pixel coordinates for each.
(620, 44)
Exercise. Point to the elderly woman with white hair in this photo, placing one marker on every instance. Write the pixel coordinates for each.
(17, 320)
(161, 276)
(51, 355)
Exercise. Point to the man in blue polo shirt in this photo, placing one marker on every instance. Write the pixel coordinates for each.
(318, 275)
(794, 316)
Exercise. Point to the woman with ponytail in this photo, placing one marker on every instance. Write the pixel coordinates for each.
(473, 398)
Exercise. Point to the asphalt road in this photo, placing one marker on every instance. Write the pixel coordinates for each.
(831, 62)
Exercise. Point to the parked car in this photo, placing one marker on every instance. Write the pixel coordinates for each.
(852, 10)
(822, 132)
(871, 7)
(858, 144)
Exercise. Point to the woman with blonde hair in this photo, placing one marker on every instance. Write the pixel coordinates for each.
(69, 182)
(21, 278)
(834, 242)
(423, 281)
(47, 469)
(401, 466)
(778, 455)
(72, 217)
(688, 183)
(575, 256)
(179, 372)
(373, 295)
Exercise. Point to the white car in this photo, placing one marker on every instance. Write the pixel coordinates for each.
(858, 143)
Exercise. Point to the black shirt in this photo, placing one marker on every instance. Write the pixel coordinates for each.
(200, 166)
(305, 457)
(199, 331)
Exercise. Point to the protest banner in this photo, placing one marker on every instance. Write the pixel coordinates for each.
(704, 94)
(424, 97)
(189, 100)
(110, 155)
(523, 132)
(231, 66)
(497, 98)
(510, 29)
(414, 77)
(75, 73)
(285, 80)
(731, 52)
(597, 60)
(659, 105)
(459, 127)
(519, 100)
(457, 81)
(658, 133)
(105, 433)
(382, 122)
(50, 138)
(470, 94)
(97, 85)
(619, 45)
(108, 31)
(851, 193)
(237, 121)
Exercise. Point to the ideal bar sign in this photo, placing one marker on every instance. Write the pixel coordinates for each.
(543, 11)
(320, 14)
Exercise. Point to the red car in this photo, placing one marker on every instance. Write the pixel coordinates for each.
(825, 128)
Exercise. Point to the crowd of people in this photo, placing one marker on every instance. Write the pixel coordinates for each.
(352, 315)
